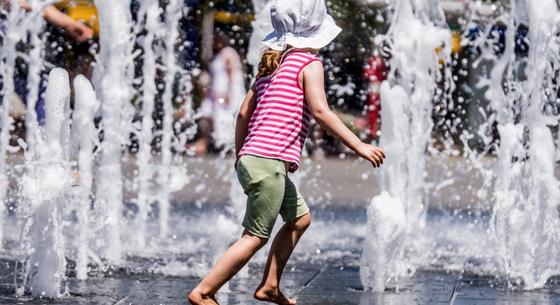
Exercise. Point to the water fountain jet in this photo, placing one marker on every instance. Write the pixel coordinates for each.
(113, 76)
(46, 187)
(417, 30)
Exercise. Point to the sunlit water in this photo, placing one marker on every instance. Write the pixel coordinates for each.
(127, 218)
(524, 228)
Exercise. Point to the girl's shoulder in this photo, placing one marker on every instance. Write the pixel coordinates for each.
(293, 58)
(302, 55)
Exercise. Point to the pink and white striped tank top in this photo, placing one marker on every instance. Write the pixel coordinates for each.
(280, 122)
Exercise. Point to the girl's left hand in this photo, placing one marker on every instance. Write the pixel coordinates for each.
(372, 153)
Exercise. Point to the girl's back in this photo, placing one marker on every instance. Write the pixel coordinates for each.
(280, 122)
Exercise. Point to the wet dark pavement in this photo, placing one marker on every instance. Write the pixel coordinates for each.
(326, 284)
(324, 274)
(326, 280)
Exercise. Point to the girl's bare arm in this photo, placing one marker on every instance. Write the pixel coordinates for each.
(313, 83)
(77, 30)
(245, 112)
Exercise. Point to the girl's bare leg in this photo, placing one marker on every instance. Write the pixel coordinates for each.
(280, 251)
(227, 266)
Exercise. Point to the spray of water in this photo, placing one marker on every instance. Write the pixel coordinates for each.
(85, 106)
(525, 221)
(98, 206)
(399, 212)
(112, 75)
(150, 12)
(45, 188)
(523, 229)
(173, 13)
(262, 26)
(8, 58)
(524, 225)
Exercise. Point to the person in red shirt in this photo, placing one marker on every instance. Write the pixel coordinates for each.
(375, 72)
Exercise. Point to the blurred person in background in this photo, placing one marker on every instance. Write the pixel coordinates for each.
(203, 114)
(375, 72)
(226, 91)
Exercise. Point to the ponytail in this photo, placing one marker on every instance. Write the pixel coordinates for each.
(270, 61)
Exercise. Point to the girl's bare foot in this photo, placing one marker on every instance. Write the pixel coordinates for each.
(197, 298)
(273, 295)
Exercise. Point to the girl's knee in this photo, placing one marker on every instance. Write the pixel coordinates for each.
(301, 223)
(262, 241)
(259, 241)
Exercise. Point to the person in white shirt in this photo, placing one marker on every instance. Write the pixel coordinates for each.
(226, 92)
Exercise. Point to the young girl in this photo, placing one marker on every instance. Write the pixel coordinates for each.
(271, 129)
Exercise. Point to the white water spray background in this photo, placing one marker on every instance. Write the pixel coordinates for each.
(525, 222)
(520, 242)
(396, 215)
(46, 194)
(29, 26)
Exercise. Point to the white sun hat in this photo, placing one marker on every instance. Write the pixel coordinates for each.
(301, 24)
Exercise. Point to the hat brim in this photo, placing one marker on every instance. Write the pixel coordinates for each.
(316, 40)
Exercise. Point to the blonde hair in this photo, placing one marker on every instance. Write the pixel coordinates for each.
(270, 61)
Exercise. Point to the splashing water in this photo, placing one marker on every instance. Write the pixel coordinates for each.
(151, 11)
(45, 187)
(524, 227)
(173, 13)
(521, 242)
(113, 78)
(83, 123)
(525, 222)
(157, 183)
(35, 65)
(8, 57)
(262, 26)
(399, 212)
(45, 202)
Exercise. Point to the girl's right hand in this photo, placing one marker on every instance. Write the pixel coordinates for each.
(79, 31)
(372, 153)
(314, 85)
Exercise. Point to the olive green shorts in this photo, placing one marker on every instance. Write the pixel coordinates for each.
(270, 192)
